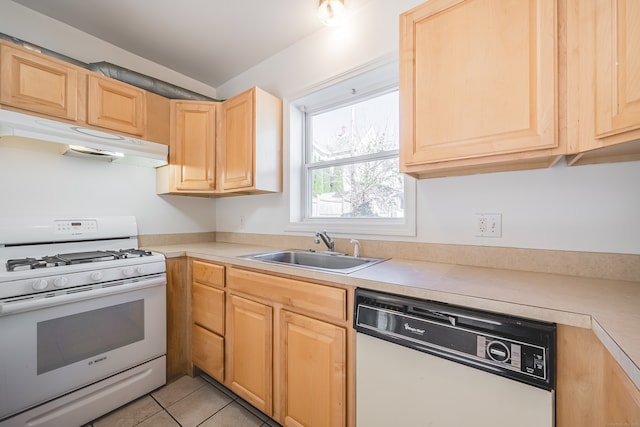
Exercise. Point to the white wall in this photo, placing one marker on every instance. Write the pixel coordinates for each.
(584, 208)
(45, 183)
(587, 208)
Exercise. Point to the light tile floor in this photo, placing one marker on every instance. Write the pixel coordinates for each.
(187, 402)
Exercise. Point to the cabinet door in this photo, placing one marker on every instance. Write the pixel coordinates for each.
(477, 78)
(592, 388)
(116, 106)
(192, 152)
(32, 82)
(621, 397)
(617, 66)
(314, 372)
(249, 352)
(603, 90)
(207, 352)
(236, 141)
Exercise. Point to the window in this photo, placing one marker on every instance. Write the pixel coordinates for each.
(351, 181)
(352, 168)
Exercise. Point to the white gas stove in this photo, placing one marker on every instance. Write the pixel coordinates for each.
(43, 254)
(84, 309)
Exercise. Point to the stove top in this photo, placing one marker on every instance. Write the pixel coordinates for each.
(44, 254)
(31, 263)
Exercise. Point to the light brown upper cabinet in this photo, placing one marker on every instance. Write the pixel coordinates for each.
(603, 71)
(241, 155)
(192, 153)
(40, 84)
(236, 130)
(250, 143)
(478, 86)
(115, 105)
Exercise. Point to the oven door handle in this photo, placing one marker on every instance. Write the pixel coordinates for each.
(60, 297)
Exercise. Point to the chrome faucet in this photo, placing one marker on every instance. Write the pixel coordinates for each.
(326, 239)
(356, 248)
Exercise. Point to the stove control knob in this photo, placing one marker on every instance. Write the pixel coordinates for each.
(127, 272)
(96, 275)
(60, 282)
(39, 284)
(140, 269)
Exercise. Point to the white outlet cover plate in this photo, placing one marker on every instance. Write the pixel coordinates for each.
(489, 225)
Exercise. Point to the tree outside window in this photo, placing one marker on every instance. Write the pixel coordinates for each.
(352, 160)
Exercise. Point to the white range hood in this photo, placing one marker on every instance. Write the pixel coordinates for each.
(80, 141)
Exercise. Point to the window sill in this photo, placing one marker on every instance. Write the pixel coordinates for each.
(355, 227)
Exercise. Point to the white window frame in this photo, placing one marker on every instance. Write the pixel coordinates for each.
(353, 88)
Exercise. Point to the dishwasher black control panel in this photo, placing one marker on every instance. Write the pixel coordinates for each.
(517, 348)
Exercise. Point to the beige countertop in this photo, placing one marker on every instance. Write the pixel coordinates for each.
(611, 308)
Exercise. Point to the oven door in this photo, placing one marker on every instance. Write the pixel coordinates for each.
(51, 346)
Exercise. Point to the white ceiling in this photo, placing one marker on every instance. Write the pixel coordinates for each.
(208, 40)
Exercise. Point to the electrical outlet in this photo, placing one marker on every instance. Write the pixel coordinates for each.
(488, 225)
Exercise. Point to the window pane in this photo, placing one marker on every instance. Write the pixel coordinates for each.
(371, 189)
(370, 126)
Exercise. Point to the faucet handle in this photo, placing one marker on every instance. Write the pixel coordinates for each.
(356, 248)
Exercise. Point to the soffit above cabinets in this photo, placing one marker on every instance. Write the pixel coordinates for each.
(209, 41)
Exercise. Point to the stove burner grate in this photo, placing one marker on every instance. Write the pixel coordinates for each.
(73, 258)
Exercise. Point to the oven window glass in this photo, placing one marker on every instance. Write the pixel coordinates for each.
(66, 340)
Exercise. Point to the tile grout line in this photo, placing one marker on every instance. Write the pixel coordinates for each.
(237, 399)
(215, 413)
(227, 393)
(165, 409)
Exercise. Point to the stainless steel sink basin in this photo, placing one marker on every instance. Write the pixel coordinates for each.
(325, 261)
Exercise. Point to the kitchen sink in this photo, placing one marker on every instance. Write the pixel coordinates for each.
(326, 261)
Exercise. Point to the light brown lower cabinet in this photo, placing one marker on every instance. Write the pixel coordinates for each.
(178, 302)
(312, 371)
(290, 362)
(207, 307)
(207, 352)
(249, 351)
(592, 388)
(208, 318)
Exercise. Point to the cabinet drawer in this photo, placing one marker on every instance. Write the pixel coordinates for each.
(309, 297)
(207, 352)
(208, 274)
(208, 307)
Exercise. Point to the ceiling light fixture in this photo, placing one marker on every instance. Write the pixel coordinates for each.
(331, 12)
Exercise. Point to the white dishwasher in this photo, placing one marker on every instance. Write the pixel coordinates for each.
(421, 363)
